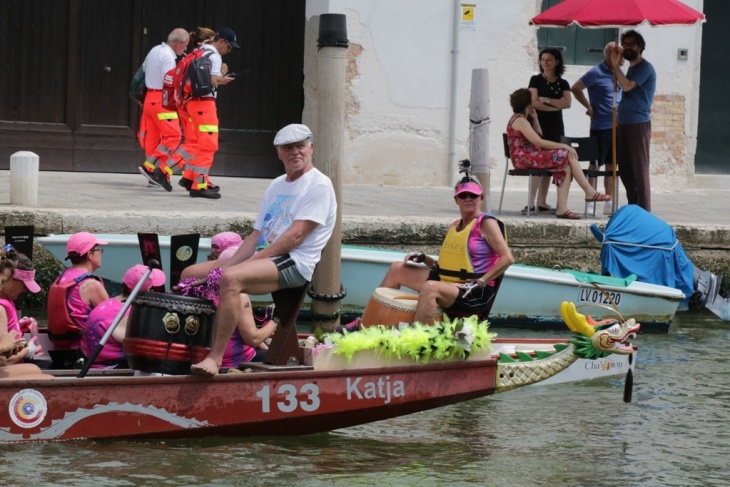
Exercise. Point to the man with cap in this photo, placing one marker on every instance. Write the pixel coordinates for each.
(160, 132)
(76, 291)
(101, 318)
(295, 221)
(204, 119)
(473, 254)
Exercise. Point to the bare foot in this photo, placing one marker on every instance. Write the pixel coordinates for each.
(207, 368)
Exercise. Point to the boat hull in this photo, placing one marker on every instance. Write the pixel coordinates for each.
(527, 297)
(252, 404)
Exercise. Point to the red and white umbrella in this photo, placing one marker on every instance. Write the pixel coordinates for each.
(617, 14)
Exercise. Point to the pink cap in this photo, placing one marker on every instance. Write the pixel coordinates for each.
(27, 278)
(228, 253)
(469, 187)
(80, 243)
(222, 241)
(135, 273)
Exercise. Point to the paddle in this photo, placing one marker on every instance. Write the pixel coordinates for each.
(149, 245)
(629, 384)
(152, 264)
(183, 253)
(21, 237)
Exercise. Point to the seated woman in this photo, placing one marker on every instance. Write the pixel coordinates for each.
(222, 241)
(76, 291)
(101, 317)
(474, 253)
(238, 351)
(528, 150)
(22, 280)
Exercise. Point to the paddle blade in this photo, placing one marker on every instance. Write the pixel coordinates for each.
(629, 384)
(183, 253)
(149, 245)
(21, 237)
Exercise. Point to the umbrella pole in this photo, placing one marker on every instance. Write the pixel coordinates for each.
(614, 122)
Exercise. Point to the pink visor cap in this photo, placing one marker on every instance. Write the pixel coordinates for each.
(470, 187)
(229, 252)
(135, 273)
(27, 278)
(80, 243)
(222, 241)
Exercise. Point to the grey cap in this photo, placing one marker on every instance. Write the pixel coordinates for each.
(294, 132)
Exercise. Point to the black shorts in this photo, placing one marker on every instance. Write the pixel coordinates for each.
(605, 145)
(475, 304)
(289, 276)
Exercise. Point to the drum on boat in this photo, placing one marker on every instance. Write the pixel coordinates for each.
(391, 307)
(167, 333)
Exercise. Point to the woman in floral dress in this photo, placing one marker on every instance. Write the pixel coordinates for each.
(529, 150)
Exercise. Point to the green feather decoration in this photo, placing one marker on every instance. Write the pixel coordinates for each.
(446, 340)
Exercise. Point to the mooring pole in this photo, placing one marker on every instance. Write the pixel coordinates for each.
(326, 291)
(479, 131)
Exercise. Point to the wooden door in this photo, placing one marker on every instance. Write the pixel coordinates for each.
(72, 61)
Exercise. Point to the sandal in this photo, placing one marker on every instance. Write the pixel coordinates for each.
(524, 210)
(568, 215)
(599, 197)
(545, 210)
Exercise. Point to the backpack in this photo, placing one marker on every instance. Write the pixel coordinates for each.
(189, 78)
(137, 88)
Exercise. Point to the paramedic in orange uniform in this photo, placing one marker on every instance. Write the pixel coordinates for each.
(204, 116)
(162, 133)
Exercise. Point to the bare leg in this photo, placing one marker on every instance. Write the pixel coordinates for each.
(432, 295)
(401, 274)
(580, 178)
(593, 180)
(533, 190)
(253, 277)
(563, 191)
(544, 188)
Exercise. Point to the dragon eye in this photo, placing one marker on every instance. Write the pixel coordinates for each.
(615, 328)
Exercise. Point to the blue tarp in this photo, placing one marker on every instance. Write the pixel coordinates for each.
(637, 242)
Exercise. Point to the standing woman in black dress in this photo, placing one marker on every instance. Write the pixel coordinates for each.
(550, 96)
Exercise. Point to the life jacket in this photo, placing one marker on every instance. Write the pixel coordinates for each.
(100, 319)
(63, 330)
(189, 78)
(464, 254)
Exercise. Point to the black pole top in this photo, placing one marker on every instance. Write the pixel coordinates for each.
(332, 31)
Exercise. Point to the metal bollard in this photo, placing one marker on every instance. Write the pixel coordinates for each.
(24, 179)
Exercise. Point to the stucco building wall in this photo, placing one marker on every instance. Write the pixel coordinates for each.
(399, 87)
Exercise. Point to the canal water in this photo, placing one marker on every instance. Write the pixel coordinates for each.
(675, 433)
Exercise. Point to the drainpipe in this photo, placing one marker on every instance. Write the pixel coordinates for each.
(454, 81)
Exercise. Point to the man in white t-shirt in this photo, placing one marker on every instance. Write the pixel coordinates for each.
(295, 221)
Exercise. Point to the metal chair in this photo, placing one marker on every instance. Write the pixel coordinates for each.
(517, 172)
(587, 149)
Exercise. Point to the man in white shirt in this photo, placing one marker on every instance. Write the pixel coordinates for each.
(294, 223)
(159, 127)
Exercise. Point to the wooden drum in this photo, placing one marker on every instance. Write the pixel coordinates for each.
(390, 307)
(167, 333)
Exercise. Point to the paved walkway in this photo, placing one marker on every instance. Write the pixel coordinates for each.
(122, 203)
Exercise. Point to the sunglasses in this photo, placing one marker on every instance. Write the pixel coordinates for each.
(463, 196)
(97, 249)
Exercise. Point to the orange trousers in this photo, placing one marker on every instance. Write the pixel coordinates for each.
(204, 121)
(159, 131)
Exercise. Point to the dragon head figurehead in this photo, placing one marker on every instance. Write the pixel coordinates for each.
(595, 340)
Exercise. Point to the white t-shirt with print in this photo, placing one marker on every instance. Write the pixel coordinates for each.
(310, 197)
